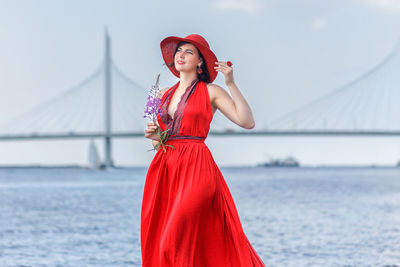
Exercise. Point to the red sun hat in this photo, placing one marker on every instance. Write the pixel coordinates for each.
(168, 46)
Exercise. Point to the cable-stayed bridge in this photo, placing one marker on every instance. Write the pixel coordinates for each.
(106, 105)
(368, 105)
(110, 105)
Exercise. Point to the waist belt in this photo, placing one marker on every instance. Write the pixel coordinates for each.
(185, 138)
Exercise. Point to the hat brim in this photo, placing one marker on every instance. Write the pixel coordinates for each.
(168, 46)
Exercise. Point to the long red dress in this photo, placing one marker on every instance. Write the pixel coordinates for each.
(188, 216)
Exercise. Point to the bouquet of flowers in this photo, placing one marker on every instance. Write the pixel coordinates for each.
(152, 110)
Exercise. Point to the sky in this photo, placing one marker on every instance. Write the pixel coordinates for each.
(285, 54)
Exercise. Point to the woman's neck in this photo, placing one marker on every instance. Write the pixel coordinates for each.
(186, 79)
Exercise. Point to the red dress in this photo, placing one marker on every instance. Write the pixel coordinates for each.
(188, 216)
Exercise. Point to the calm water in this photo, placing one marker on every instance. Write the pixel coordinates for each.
(293, 217)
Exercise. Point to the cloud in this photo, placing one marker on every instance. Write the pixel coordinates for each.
(248, 6)
(391, 5)
(319, 24)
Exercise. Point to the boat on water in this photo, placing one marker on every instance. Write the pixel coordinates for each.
(286, 162)
(94, 161)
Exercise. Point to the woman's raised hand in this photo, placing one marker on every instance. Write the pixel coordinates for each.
(223, 67)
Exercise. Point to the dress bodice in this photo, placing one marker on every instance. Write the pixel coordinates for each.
(193, 114)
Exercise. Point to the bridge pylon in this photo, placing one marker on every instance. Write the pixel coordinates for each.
(107, 107)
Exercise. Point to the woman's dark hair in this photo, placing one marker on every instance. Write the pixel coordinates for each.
(204, 76)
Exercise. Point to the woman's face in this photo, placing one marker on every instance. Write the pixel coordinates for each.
(187, 58)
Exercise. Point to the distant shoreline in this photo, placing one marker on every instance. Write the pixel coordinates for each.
(221, 166)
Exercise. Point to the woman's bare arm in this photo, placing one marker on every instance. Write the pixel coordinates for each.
(234, 108)
(154, 143)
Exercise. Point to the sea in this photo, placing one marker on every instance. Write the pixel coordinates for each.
(293, 216)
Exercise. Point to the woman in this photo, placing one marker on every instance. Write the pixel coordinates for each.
(188, 215)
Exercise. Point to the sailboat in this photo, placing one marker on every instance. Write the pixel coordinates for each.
(94, 159)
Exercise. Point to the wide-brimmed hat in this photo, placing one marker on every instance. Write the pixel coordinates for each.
(168, 46)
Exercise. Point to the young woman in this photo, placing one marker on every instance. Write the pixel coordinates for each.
(188, 215)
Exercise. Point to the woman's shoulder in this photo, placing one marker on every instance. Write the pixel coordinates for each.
(214, 88)
(214, 91)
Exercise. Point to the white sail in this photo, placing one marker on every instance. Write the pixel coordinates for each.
(94, 159)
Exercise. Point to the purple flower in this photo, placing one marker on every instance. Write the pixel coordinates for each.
(153, 102)
(152, 109)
